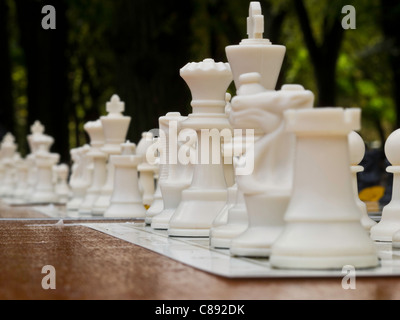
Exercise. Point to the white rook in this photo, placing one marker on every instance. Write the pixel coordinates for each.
(323, 222)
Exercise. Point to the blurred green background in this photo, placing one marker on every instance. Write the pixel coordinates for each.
(135, 48)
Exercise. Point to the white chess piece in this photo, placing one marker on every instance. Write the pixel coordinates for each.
(268, 188)
(175, 176)
(236, 217)
(99, 158)
(256, 54)
(390, 220)
(2, 169)
(237, 223)
(126, 200)
(36, 140)
(81, 176)
(227, 153)
(8, 148)
(396, 240)
(226, 147)
(22, 166)
(222, 217)
(153, 173)
(62, 189)
(44, 190)
(115, 127)
(207, 194)
(357, 151)
(323, 222)
(146, 170)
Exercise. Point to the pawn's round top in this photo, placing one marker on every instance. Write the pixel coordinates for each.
(357, 148)
(144, 143)
(392, 148)
(128, 148)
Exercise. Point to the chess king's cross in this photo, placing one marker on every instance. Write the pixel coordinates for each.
(37, 128)
(115, 106)
(255, 21)
(9, 138)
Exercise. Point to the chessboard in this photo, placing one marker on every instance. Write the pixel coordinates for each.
(197, 253)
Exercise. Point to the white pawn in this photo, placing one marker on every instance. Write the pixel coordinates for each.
(36, 140)
(236, 216)
(115, 128)
(227, 150)
(357, 151)
(146, 170)
(81, 176)
(126, 200)
(390, 221)
(154, 174)
(8, 148)
(22, 166)
(323, 228)
(237, 223)
(61, 188)
(222, 218)
(99, 158)
(175, 176)
(44, 190)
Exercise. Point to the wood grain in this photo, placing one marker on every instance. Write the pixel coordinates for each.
(91, 265)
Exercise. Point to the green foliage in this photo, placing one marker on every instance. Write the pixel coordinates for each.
(104, 37)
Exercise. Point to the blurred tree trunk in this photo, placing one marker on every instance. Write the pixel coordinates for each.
(151, 43)
(324, 56)
(6, 105)
(273, 23)
(391, 25)
(47, 70)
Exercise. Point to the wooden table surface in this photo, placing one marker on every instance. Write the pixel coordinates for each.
(92, 265)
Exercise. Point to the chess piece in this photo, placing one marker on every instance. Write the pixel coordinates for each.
(36, 140)
(22, 166)
(237, 223)
(2, 170)
(256, 54)
(126, 200)
(323, 222)
(227, 153)
(165, 166)
(236, 220)
(207, 194)
(146, 170)
(81, 176)
(8, 148)
(396, 240)
(152, 175)
(390, 220)
(222, 217)
(268, 188)
(44, 190)
(61, 187)
(115, 127)
(357, 151)
(175, 176)
(99, 159)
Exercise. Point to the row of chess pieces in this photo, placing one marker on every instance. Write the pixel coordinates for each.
(37, 178)
(297, 203)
